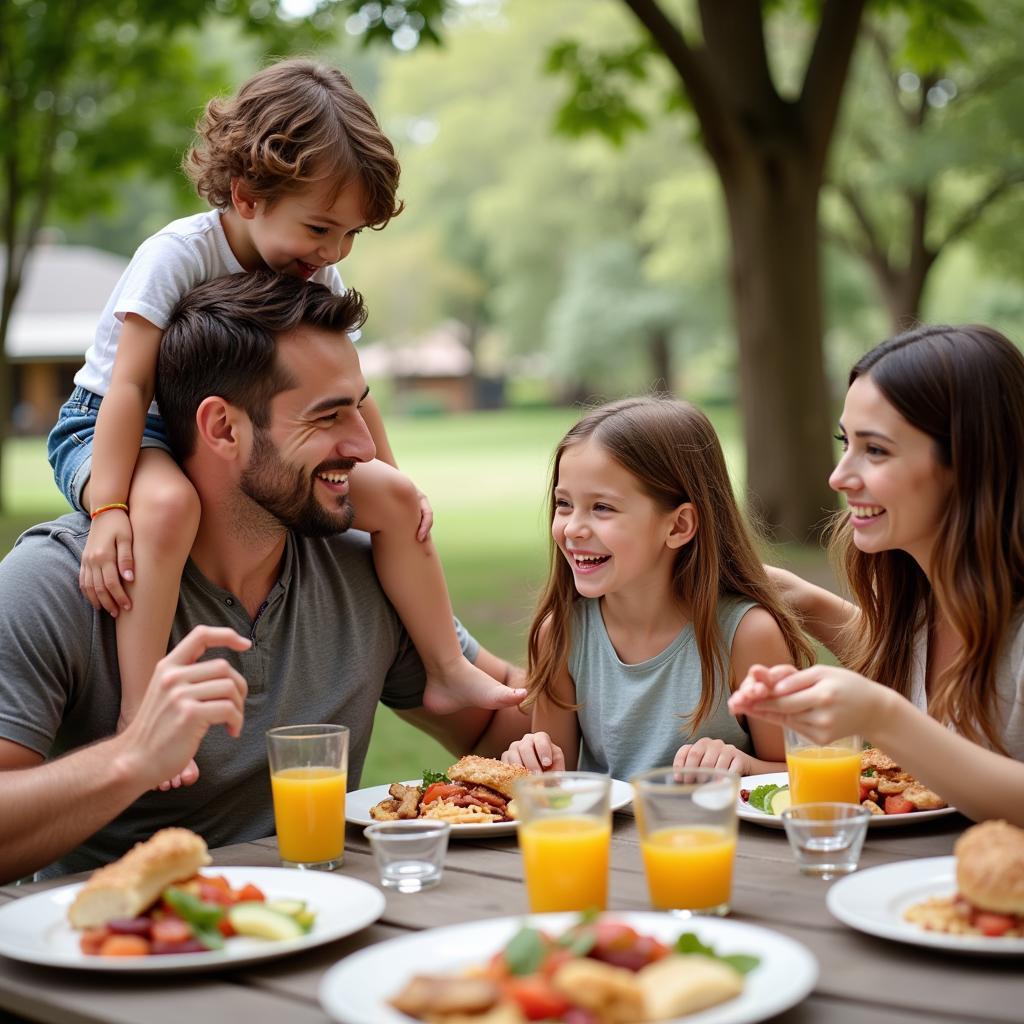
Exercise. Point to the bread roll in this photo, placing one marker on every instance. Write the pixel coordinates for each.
(990, 867)
(487, 771)
(129, 885)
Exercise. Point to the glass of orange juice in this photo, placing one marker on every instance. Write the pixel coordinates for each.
(308, 777)
(823, 773)
(565, 831)
(687, 823)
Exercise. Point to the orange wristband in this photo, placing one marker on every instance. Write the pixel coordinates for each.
(106, 508)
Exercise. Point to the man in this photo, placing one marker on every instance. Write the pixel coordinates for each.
(260, 389)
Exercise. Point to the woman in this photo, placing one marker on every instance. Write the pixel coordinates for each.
(932, 545)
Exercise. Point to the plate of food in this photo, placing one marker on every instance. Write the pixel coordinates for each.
(972, 902)
(154, 911)
(475, 796)
(566, 966)
(893, 796)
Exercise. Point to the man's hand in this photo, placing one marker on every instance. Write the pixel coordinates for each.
(184, 698)
(106, 561)
(536, 752)
(426, 517)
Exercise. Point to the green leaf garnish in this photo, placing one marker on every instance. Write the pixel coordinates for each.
(869, 772)
(688, 943)
(760, 796)
(202, 916)
(581, 938)
(525, 951)
(429, 777)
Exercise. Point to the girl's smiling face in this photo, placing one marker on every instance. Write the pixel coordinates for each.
(895, 486)
(615, 538)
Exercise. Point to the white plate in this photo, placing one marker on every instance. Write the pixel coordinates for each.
(359, 802)
(356, 990)
(748, 813)
(874, 900)
(35, 928)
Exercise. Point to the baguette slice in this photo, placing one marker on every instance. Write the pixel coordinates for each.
(129, 885)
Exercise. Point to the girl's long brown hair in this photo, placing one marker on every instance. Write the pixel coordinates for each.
(672, 450)
(964, 387)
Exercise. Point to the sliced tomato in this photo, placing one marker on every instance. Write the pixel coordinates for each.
(615, 935)
(536, 998)
(216, 889)
(250, 893)
(439, 790)
(895, 803)
(171, 929)
(92, 939)
(992, 924)
(125, 945)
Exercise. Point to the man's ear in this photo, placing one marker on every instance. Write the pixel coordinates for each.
(684, 526)
(242, 199)
(221, 427)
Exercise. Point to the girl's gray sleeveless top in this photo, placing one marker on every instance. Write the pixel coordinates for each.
(632, 716)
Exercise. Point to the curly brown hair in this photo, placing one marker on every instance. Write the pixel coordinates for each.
(292, 125)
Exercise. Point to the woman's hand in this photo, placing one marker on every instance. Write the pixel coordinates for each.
(709, 753)
(106, 561)
(821, 702)
(536, 752)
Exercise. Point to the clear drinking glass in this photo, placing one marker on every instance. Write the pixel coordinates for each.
(687, 823)
(409, 854)
(565, 831)
(308, 777)
(823, 773)
(826, 837)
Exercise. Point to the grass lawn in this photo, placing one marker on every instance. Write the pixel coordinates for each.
(485, 474)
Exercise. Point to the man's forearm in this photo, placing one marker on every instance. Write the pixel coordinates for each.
(51, 808)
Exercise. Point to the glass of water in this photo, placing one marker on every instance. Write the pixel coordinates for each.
(409, 854)
(826, 837)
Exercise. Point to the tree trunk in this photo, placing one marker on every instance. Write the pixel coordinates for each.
(772, 205)
(660, 349)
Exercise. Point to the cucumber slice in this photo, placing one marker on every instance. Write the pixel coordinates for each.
(290, 907)
(780, 800)
(307, 918)
(259, 921)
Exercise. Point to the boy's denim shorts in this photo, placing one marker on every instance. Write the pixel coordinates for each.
(69, 446)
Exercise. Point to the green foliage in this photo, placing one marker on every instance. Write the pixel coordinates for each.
(602, 84)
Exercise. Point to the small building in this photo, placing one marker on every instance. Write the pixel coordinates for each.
(62, 296)
(433, 373)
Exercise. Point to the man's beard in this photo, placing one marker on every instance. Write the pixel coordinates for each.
(288, 494)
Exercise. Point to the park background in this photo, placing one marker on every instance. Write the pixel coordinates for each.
(727, 199)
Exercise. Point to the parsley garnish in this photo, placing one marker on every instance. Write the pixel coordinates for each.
(688, 943)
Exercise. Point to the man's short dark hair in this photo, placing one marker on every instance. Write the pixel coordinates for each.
(222, 340)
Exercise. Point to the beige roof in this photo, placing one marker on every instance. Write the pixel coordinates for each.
(60, 302)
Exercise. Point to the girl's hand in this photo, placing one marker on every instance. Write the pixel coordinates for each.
(821, 702)
(426, 517)
(708, 753)
(536, 752)
(106, 561)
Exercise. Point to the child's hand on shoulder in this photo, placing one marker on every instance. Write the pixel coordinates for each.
(536, 752)
(708, 753)
(426, 517)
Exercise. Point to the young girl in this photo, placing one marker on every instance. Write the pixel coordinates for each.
(295, 167)
(932, 544)
(656, 603)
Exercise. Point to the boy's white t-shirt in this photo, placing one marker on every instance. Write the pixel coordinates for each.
(165, 267)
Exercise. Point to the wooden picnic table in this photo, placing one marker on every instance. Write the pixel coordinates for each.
(863, 980)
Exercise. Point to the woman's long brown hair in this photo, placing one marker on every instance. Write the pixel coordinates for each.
(672, 450)
(964, 387)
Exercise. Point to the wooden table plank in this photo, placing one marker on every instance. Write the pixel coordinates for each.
(863, 980)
